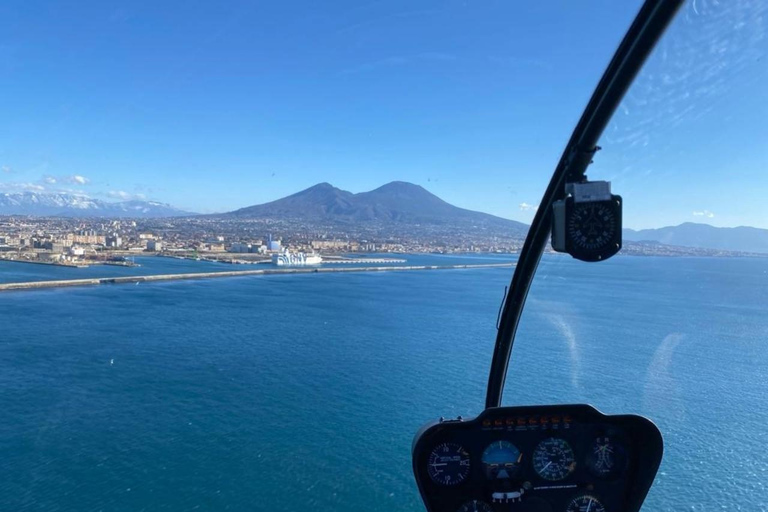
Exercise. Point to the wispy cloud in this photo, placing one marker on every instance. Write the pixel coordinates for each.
(703, 213)
(6, 169)
(124, 196)
(716, 49)
(525, 207)
(21, 187)
(72, 185)
(77, 179)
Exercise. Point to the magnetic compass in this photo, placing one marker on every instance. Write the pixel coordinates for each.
(587, 223)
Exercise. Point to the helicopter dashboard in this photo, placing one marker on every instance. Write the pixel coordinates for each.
(559, 458)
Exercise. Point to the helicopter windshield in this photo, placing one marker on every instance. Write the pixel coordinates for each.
(672, 329)
(248, 249)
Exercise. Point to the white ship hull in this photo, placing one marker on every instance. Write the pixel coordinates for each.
(297, 259)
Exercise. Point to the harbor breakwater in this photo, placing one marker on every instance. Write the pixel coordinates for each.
(62, 283)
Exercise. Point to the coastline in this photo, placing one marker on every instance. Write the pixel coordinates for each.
(64, 283)
(48, 263)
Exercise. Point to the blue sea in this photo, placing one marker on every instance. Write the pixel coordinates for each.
(303, 392)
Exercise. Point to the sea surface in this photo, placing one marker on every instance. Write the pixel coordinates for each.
(303, 392)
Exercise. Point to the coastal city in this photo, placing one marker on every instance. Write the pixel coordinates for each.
(68, 241)
(384, 256)
(89, 241)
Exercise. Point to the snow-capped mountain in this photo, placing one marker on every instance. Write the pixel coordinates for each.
(70, 205)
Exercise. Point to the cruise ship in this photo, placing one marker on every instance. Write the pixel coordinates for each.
(296, 259)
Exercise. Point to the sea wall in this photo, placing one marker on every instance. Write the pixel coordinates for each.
(33, 285)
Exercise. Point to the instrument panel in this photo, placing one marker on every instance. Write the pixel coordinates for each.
(558, 458)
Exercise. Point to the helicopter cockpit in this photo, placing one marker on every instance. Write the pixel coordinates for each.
(553, 458)
(568, 458)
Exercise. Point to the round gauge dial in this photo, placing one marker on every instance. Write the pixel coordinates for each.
(501, 460)
(606, 458)
(592, 226)
(448, 464)
(475, 506)
(585, 503)
(553, 459)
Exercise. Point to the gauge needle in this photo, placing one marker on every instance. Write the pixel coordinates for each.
(545, 467)
(590, 505)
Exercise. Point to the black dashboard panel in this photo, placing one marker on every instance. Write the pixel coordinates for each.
(555, 458)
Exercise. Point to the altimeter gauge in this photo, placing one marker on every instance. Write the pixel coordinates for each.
(553, 459)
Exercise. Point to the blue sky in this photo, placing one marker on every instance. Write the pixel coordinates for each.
(212, 107)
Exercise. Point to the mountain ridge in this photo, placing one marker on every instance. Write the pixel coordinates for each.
(394, 205)
(45, 204)
(691, 234)
(397, 202)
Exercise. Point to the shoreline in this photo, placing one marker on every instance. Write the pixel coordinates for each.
(79, 264)
(49, 263)
(65, 283)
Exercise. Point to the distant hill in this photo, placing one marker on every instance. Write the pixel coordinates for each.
(70, 205)
(689, 234)
(394, 203)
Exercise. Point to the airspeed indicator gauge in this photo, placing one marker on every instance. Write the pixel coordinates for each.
(448, 464)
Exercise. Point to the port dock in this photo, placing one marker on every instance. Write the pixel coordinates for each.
(327, 260)
(63, 283)
(49, 263)
(362, 261)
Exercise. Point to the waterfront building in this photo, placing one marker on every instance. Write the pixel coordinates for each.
(240, 247)
(154, 245)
